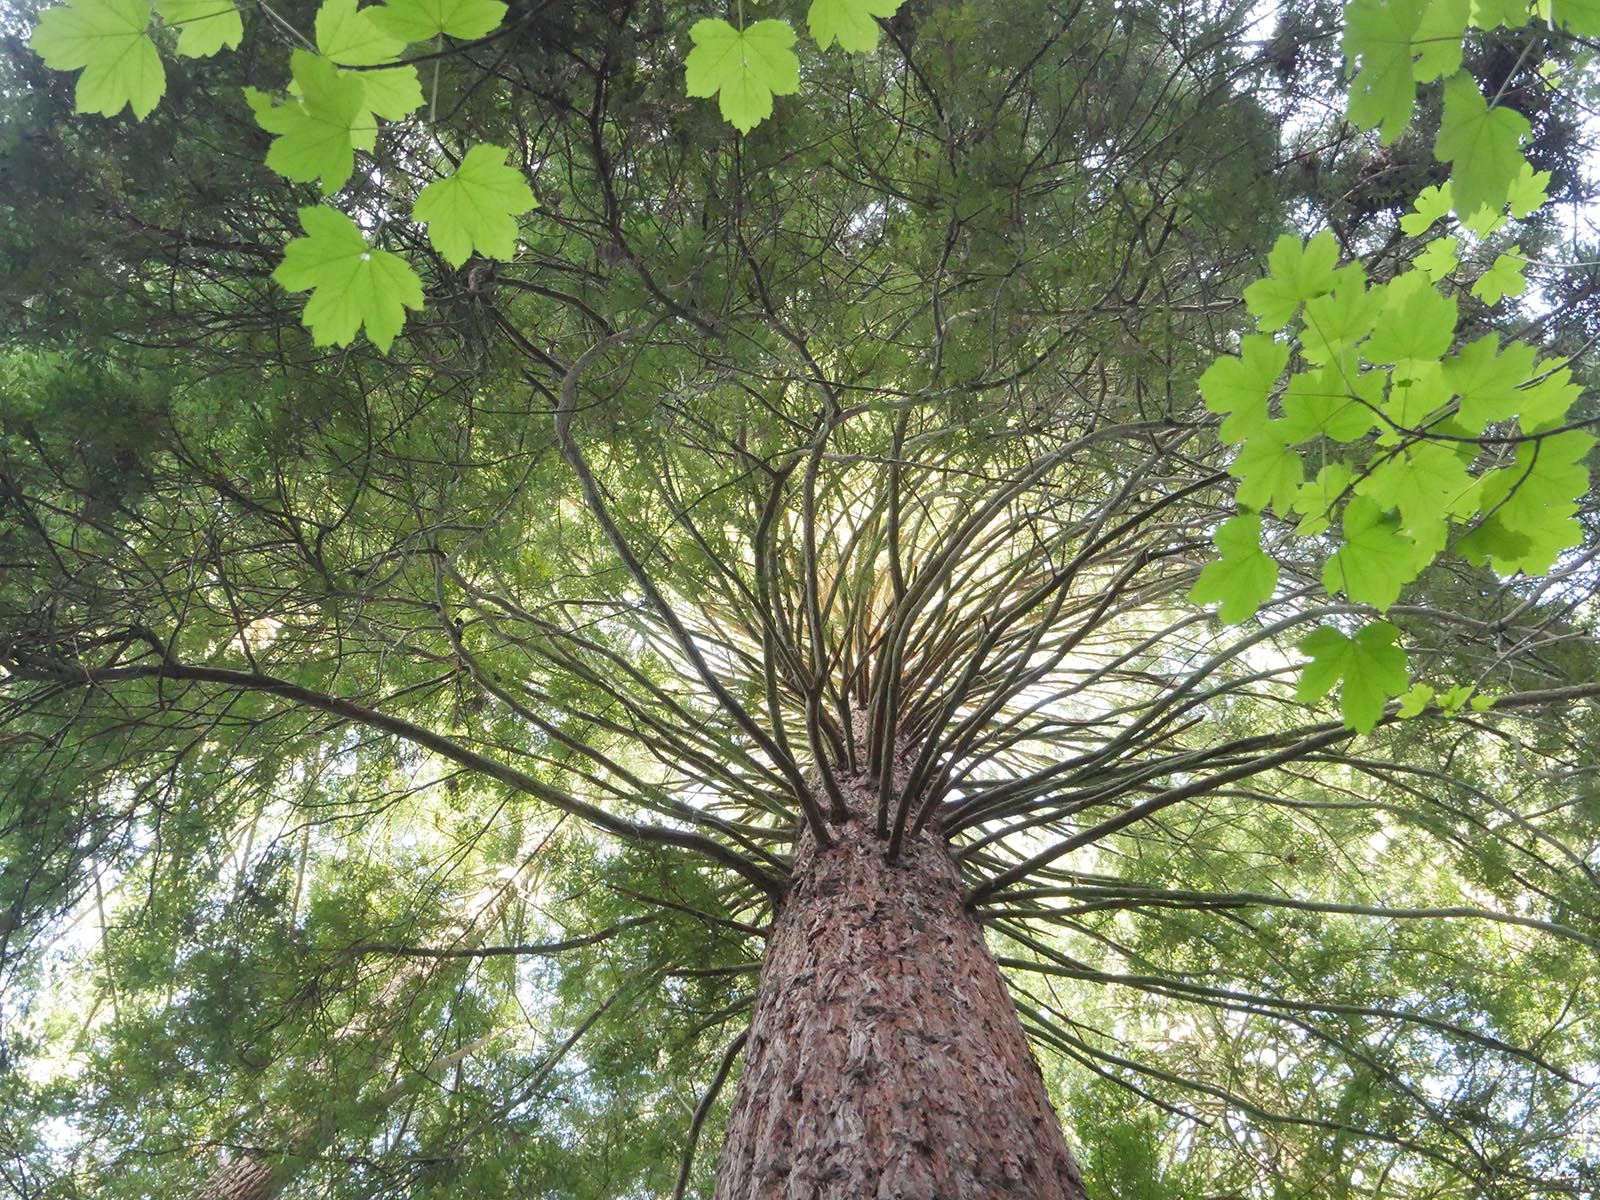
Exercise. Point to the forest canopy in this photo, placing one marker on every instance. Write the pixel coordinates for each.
(532, 534)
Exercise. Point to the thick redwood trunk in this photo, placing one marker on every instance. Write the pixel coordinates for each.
(885, 1059)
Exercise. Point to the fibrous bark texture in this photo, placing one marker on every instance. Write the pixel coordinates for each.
(885, 1059)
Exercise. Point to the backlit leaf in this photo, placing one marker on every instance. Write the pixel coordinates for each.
(852, 22)
(204, 26)
(476, 208)
(1238, 387)
(110, 41)
(1243, 577)
(1377, 37)
(1368, 669)
(1376, 560)
(1299, 272)
(1501, 280)
(744, 69)
(352, 285)
(1482, 144)
(317, 133)
(420, 20)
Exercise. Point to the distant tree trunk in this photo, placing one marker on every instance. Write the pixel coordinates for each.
(885, 1059)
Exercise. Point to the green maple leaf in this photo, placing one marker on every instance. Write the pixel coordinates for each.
(1580, 16)
(351, 37)
(1486, 14)
(1316, 500)
(110, 41)
(1482, 145)
(204, 26)
(1335, 323)
(1415, 402)
(1267, 470)
(1543, 405)
(1378, 34)
(1376, 560)
(1452, 699)
(351, 284)
(419, 20)
(1529, 192)
(1486, 382)
(1417, 324)
(316, 134)
(1437, 40)
(1439, 259)
(744, 68)
(1368, 669)
(1432, 204)
(1238, 387)
(476, 208)
(1414, 701)
(1243, 577)
(1325, 402)
(852, 22)
(1501, 280)
(1531, 505)
(1427, 482)
(1299, 272)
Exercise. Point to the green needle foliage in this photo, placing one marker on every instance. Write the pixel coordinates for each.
(472, 477)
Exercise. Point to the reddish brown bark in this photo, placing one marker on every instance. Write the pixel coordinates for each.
(885, 1058)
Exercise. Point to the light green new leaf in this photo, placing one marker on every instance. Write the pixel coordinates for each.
(351, 284)
(1299, 272)
(110, 40)
(1439, 259)
(1487, 14)
(204, 26)
(1414, 701)
(1377, 35)
(476, 208)
(1238, 387)
(1433, 203)
(1529, 192)
(351, 38)
(1417, 325)
(745, 68)
(1243, 577)
(1482, 144)
(1532, 505)
(1437, 41)
(1543, 405)
(1329, 404)
(1501, 280)
(1486, 382)
(1316, 500)
(1335, 323)
(1376, 560)
(1267, 470)
(420, 20)
(317, 133)
(1580, 16)
(1451, 700)
(1427, 482)
(1415, 402)
(1368, 668)
(852, 22)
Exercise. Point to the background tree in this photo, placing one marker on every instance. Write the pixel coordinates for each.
(412, 757)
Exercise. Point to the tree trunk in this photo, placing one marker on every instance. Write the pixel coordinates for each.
(885, 1059)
